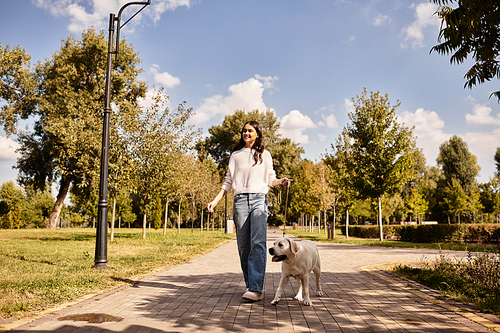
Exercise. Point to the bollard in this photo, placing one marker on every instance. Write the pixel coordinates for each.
(229, 226)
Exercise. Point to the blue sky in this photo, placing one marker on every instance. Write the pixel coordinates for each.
(303, 59)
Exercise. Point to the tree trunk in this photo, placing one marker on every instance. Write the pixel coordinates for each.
(201, 220)
(144, 225)
(347, 224)
(324, 220)
(56, 211)
(166, 219)
(334, 217)
(319, 221)
(380, 218)
(113, 218)
(192, 218)
(179, 219)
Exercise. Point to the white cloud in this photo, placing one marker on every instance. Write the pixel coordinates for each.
(424, 17)
(267, 81)
(165, 79)
(322, 137)
(481, 114)
(162, 6)
(246, 96)
(430, 135)
(330, 121)
(428, 129)
(349, 105)
(294, 124)
(483, 145)
(8, 149)
(381, 19)
(96, 13)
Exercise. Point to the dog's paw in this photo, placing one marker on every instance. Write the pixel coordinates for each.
(308, 302)
(319, 293)
(298, 297)
(275, 301)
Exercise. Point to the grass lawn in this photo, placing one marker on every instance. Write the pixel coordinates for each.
(341, 239)
(40, 268)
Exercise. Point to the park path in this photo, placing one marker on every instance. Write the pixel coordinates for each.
(205, 296)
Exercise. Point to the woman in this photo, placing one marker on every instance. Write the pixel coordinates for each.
(250, 175)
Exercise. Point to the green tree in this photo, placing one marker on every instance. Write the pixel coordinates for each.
(37, 207)
(362, 210)
(497, 161)
(124, 206)
(419, 193)
(84, 200)
(13, 197)
(205, 185)
(321, 187)
(458, 163)
(471, 28)
(340, 181)
(67, 103)
(334, 180)
(455, 199)
(394, 208)
(495, 187)
(474, 205)
(158, 144)
(17, 85)
(310, 199)
(490, 196)
(377, 150)
(431, 187)
(417, 205)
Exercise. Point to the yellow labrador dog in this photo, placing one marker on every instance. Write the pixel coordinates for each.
(298, 260)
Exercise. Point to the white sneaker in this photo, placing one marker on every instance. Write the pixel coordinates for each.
(252, 296)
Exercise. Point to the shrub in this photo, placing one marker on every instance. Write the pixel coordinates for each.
(434, 233)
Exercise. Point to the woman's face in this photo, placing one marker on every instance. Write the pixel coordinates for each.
(249, 135)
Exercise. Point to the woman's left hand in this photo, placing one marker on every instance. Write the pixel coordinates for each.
(285, 182)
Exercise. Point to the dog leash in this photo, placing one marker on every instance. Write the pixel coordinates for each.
(286, 204)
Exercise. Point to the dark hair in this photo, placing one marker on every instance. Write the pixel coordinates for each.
(258, 145)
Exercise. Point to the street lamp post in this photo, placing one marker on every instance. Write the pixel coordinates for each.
(101, 246)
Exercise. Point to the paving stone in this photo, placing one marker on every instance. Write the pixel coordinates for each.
(205, 296)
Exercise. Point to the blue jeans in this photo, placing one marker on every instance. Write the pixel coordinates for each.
(250, 218)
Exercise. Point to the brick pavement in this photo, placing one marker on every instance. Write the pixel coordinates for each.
(205, 296)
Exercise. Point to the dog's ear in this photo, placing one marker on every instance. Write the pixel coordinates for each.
(294, 247)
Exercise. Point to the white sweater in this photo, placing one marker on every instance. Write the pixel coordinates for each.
(245, 177)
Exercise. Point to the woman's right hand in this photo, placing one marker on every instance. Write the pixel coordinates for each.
(211, 206)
